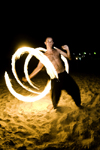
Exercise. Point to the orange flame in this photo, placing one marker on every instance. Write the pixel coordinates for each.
(46, 62)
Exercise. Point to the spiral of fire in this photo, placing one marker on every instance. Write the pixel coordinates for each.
(37, 52)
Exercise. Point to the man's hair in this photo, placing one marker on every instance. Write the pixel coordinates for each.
(47, 38)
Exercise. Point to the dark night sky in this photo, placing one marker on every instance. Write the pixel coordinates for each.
(76, 25)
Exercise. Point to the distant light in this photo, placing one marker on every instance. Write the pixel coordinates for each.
(89, 53)
(79, 53)
(84, 53)
(95, 53)
(83, 56)
(76, 58)
(73, 53)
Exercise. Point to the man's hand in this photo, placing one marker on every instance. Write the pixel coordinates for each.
(65, 47)
(24, 79)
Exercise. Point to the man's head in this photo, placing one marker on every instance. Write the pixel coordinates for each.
(49, 42)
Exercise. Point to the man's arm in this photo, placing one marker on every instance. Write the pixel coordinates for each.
(35, 71)
(65, 47)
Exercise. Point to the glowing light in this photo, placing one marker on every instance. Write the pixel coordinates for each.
(16, 56)
(28, 98)
(84, 53)
(66, 63)
(95, 53)
(44, 60)
(26, 66)
(76, 58)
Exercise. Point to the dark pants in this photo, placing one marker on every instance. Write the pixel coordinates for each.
(67, 83)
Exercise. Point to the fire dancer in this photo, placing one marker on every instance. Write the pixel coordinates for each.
(64, 80)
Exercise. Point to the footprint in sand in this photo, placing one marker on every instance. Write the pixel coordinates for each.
(22, 133)
(94, 101)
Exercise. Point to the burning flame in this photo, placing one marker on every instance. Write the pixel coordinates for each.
(44, 60)
(28, 98)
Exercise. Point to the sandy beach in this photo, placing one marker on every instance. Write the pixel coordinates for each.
(31, 126)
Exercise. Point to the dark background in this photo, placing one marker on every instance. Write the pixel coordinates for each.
(28, 24)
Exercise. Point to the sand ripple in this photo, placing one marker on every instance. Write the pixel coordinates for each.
(31, 126)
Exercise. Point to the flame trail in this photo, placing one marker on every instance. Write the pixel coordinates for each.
(28, 98)
(44, 60)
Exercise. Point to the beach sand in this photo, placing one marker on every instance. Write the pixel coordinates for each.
(31, 126)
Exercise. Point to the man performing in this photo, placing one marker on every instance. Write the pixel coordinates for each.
(64, 80)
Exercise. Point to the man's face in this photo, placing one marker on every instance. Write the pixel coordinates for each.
(49, 42)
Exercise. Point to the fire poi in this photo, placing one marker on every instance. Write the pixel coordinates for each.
(51, 71)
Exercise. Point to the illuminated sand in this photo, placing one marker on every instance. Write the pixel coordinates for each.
(31, 126)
